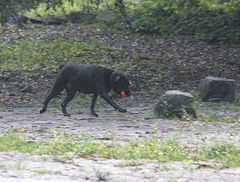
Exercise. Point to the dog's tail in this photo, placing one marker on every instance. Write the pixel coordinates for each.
(61, 66)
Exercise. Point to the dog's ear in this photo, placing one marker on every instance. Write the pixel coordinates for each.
(118, 78)
(115, 77)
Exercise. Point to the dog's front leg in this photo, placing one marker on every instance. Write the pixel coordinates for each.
(105, 96)
(93, 104)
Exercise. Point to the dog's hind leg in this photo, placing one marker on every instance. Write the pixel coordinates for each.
(57, 89)
(93, 104)
(70, 95)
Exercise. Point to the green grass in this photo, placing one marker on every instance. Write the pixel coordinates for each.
(223, 107)
(44, 56)
(14, 142)
(34, 58)
(131, 163)
(39, 57)
(44, 171)
(4, 109)
(64, 147)
(102, 175)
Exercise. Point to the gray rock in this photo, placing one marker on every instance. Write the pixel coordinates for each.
(63, 18)
(36, 20)
(175, 103)
(217, 89)
(105, 15)
(4, 78)
(176, 99)
(27, 89)
(82, 17)
(23, 18)
(51, 20)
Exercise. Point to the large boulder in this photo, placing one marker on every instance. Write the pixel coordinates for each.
(82, 17)
(105, 15)
(217, 89)
(50, 20)
(23, 18)
(175, 103)
(176, 99)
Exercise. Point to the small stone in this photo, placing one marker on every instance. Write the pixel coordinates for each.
(27, 89)
(4, 78)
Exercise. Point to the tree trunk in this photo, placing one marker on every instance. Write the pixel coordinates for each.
(120, 4)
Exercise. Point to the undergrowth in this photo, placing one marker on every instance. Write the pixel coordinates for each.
(43, 57)
(65, 147)
(208, 21)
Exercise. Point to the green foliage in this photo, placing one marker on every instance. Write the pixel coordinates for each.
(208, 21)
(70, 146)
(12, 9)
(223, 107)
(13, 142)
(101, 175)
(190, 18)
(66, 7)
(43, 171)
(41, 57)
(227, 153)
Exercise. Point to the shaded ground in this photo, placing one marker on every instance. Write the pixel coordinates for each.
(173, 63)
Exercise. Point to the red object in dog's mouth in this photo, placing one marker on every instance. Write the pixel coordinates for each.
(123, 94)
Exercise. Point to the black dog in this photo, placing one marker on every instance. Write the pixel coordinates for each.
(94, 79)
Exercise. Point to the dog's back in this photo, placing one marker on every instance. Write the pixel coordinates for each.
(82, 77)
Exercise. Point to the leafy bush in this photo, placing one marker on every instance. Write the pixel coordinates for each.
(12, 9)
(208, 21)
(189, 18)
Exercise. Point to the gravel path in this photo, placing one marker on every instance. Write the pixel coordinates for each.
(18, 167)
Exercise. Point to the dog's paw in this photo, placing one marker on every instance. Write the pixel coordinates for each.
(68, 115)
(94, 114)
(122, 110)
(42, 111)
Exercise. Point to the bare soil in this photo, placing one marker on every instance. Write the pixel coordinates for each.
(122, 128)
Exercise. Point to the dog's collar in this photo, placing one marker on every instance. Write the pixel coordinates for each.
(112, 77)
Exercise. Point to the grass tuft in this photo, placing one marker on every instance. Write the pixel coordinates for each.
(67, 147)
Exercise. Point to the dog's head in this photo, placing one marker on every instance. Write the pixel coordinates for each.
(120, 84)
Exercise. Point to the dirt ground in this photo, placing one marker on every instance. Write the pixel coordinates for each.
(19, 167)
